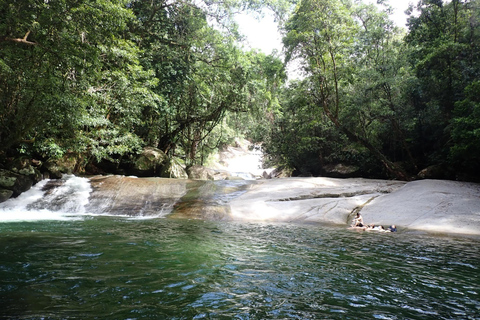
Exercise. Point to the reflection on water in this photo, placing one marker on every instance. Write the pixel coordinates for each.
(113, 268)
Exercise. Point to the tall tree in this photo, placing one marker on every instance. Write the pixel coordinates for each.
(444, 41)
(377, 99)
(60, 63)
(332, 42)
(301, 138)
(202, 73)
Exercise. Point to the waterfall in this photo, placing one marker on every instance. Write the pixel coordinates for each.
(76, 197)
(73, 197)
(60, 199)
(245, 160)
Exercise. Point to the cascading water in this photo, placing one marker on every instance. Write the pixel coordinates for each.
(49, 200)
(244, 161)
(246, 166)
(73, 197)
(88, 261)
(135, 197)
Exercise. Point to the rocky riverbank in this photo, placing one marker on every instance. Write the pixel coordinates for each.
(429, 205)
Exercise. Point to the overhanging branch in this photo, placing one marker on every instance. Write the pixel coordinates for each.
(21, 40)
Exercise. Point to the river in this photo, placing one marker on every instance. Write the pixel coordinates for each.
(72, 250)
(83, 266)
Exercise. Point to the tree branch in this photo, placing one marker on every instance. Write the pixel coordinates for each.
(21, 40)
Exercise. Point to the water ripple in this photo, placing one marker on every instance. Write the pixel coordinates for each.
(117, 269)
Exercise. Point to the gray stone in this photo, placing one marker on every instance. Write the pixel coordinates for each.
(65, 165)
(149, 163)
(15, 182)
(340, 170)
(5, 194)
(27, 167)
(174, 169)
(432, 172)
(200, 173)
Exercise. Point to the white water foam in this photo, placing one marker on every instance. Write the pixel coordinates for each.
(64, 202)
(245, 164)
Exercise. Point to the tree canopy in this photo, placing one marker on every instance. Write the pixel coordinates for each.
(103, 79)
(401, 100)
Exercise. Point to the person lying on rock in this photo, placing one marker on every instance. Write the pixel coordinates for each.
(392, 228)
(373, 227)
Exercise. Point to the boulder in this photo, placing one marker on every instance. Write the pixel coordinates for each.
(281, 172)
(221, 175)
(340, 170)
(27, 167)
(149, 163)
(430, 205)
(5, 194)
(64, 165)
(173, 169)
(434, 172)
(14, 182)
(324, 200)
(200, 173)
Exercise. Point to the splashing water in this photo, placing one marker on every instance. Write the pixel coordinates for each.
(75, 198)
(49, 200)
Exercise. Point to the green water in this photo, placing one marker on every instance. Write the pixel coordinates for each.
(116, 268)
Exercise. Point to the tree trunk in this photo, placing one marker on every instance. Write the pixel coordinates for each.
(392, 168)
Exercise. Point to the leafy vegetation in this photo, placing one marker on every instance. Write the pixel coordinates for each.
(103, 79)
(398, 102)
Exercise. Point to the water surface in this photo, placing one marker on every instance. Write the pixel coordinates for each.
(120, 268)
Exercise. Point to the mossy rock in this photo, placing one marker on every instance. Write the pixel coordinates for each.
(7, 179)
(149, 163)
(27, 167)
(5, 194)
(15, 182)
(64, 165)
(200, 173)
(174, 169)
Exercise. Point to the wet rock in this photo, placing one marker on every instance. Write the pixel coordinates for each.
(340, 170)
(326, 200)
(27, 167)
(57, 167)
(430, 205)
(277, 173)
(221, 175)
(14, 182)
(435, 172)
(119, 195)
(5, 194)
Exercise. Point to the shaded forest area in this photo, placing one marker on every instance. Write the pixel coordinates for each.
(101, 80)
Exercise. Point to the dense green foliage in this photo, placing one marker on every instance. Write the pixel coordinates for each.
(396, 102)
(102, 79)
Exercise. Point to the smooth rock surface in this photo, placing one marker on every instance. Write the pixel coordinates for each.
(327, 200)
(429, 205)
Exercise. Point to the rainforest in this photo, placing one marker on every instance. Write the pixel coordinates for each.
(98, 83)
